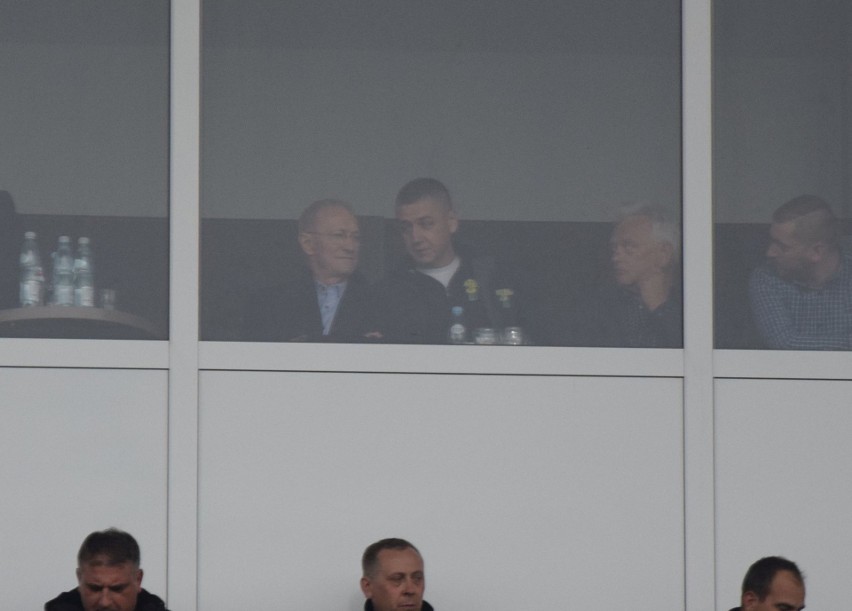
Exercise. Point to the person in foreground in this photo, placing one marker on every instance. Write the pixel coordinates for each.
(328, 299)
(414, 303)
(393, 577)
(773, 584)
(108, 577)
(801, 298)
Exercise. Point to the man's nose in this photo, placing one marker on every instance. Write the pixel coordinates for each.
(772, 251)
(105, 599)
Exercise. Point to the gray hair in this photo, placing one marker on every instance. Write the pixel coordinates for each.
(665, 225)
(308, 218)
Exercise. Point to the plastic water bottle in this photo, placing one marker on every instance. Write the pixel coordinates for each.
(458, 332)
(512, 333)
(32, 273)
(84, 275)
(63, 273)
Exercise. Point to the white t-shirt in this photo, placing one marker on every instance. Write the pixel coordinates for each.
(442, 274)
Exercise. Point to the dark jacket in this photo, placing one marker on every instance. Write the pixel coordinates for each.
(413, 308)
(290, 312)
(71, 601)
(616, 317)
(368, 606)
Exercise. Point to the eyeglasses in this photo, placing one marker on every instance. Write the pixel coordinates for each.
(338, 236)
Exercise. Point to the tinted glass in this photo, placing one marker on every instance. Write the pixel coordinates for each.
(84, 118)
(782, 174)
(542, 120)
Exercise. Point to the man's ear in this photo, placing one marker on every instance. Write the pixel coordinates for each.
(453, 221)
(79, 574)
(749, 601)
(306, 242)
(817, 251)
(667, 254)
(139, 574)
(366, 588)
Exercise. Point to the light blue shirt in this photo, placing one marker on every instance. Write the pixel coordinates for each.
(329, 298)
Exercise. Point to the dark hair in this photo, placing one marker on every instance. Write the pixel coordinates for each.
(759, 576)
(110, 547)
(370, 559)
(308, 218)
(813, 218)
(420, 188)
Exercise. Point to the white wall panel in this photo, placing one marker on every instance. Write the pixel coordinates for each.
(80, 450)
(519, 491)
(783, 460)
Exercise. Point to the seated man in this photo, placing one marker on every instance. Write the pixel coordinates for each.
(328, 300)
(644, 307)
(108, 577)
(801, 298)
(414, 303)
(772, 583)
(393, 577)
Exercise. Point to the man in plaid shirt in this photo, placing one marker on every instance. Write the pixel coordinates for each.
(802, 297)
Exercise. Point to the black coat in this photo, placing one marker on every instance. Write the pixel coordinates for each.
(290, 312)
(413, 308)
(71, 601)
(368, 606)
(616, 317)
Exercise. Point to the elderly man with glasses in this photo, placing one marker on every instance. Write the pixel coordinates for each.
(328, 301)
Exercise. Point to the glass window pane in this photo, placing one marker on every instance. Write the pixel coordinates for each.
(85, 155)
(537, 124)
(782, 183)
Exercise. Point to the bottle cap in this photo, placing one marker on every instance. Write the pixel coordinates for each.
(29, 235)
(83, 240)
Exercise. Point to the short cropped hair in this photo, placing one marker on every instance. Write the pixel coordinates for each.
(665, 226)
(814, 220)
(421, 188)
(370, 559)
(111, 547)
(759, 576)
(308, 218)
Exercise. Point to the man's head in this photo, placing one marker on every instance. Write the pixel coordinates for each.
(804, 234)
(330, 238)
(427, 221)
(108, 573)
(393, 575)
(773, 584)
(644, 244)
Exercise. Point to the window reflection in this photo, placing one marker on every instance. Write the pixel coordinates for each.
(540, 120)
(782, 174)
(85, 157)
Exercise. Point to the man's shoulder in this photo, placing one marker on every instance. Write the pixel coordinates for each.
(149, 602)
(368, 606)
(765, 277)
(71, 601)
(403, 277)
(67, 601)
